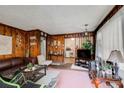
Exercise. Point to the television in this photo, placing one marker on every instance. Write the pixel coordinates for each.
(84, 54)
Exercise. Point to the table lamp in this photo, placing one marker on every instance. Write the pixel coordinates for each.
(115, 57)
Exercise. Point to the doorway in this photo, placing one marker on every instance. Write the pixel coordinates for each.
(69, 56)
(71, 46)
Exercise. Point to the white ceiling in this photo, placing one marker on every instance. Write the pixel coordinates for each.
(54, 19)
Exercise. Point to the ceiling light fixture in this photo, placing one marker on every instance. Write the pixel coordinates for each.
(72, 39)
(86, 32)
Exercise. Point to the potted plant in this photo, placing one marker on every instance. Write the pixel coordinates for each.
(29, 66)
(88, 45)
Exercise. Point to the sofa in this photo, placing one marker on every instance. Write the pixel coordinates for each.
(8, 67)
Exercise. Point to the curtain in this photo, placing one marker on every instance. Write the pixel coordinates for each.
(109, 38)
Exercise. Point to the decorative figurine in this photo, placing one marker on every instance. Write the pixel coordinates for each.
(113, 70)
(116, 70)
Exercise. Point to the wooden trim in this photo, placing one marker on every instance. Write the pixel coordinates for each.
(74, 35)
(71, 33)
(40, 31)
(22, 29)
(110, 14)
(94, 42)
(12, 27)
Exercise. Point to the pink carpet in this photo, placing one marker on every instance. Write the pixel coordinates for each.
(73, 79)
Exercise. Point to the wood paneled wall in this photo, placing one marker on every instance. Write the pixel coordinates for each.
(34, 50)
(55, 48)
(21, 41)
(61, 37)
(25, 48)
(17, 50)
(33, 42)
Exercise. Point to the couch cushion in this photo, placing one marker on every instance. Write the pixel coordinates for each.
(9, 73)
(32, 60)
(5, 64)
(17, 61)
(8, 67)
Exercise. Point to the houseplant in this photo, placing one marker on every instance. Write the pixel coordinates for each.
(88, 45)
(29, 66)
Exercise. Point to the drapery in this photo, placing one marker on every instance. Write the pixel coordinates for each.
(110, 37)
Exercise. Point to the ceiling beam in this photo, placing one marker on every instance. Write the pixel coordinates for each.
(110, 14)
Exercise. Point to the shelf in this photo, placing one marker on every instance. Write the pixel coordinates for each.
(55, 55)
(55, 48)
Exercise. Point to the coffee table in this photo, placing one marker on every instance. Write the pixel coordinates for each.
(35, 74)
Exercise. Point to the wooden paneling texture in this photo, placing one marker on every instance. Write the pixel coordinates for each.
(61, 38)
(34, 50)
(57, 49)
(21, 42)
(17, 50)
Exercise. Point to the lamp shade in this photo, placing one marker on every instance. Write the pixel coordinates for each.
(116, 56)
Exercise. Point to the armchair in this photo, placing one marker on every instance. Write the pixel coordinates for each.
(18, 81)
(6, 84)
(43, 61)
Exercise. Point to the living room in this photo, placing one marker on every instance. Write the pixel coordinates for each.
(44, 49)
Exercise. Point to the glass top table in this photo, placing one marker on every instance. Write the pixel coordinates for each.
(34, 74)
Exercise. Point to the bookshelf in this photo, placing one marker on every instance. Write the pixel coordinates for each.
(55, 48)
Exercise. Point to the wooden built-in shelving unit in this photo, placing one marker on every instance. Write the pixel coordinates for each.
(55, 48)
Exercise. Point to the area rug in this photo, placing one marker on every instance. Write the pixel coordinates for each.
(62, 66)
(50, 79)
(74, 67)
(68, 79)
(57, 63)
(72, 79)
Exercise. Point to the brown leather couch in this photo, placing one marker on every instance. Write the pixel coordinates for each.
(9, 66)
